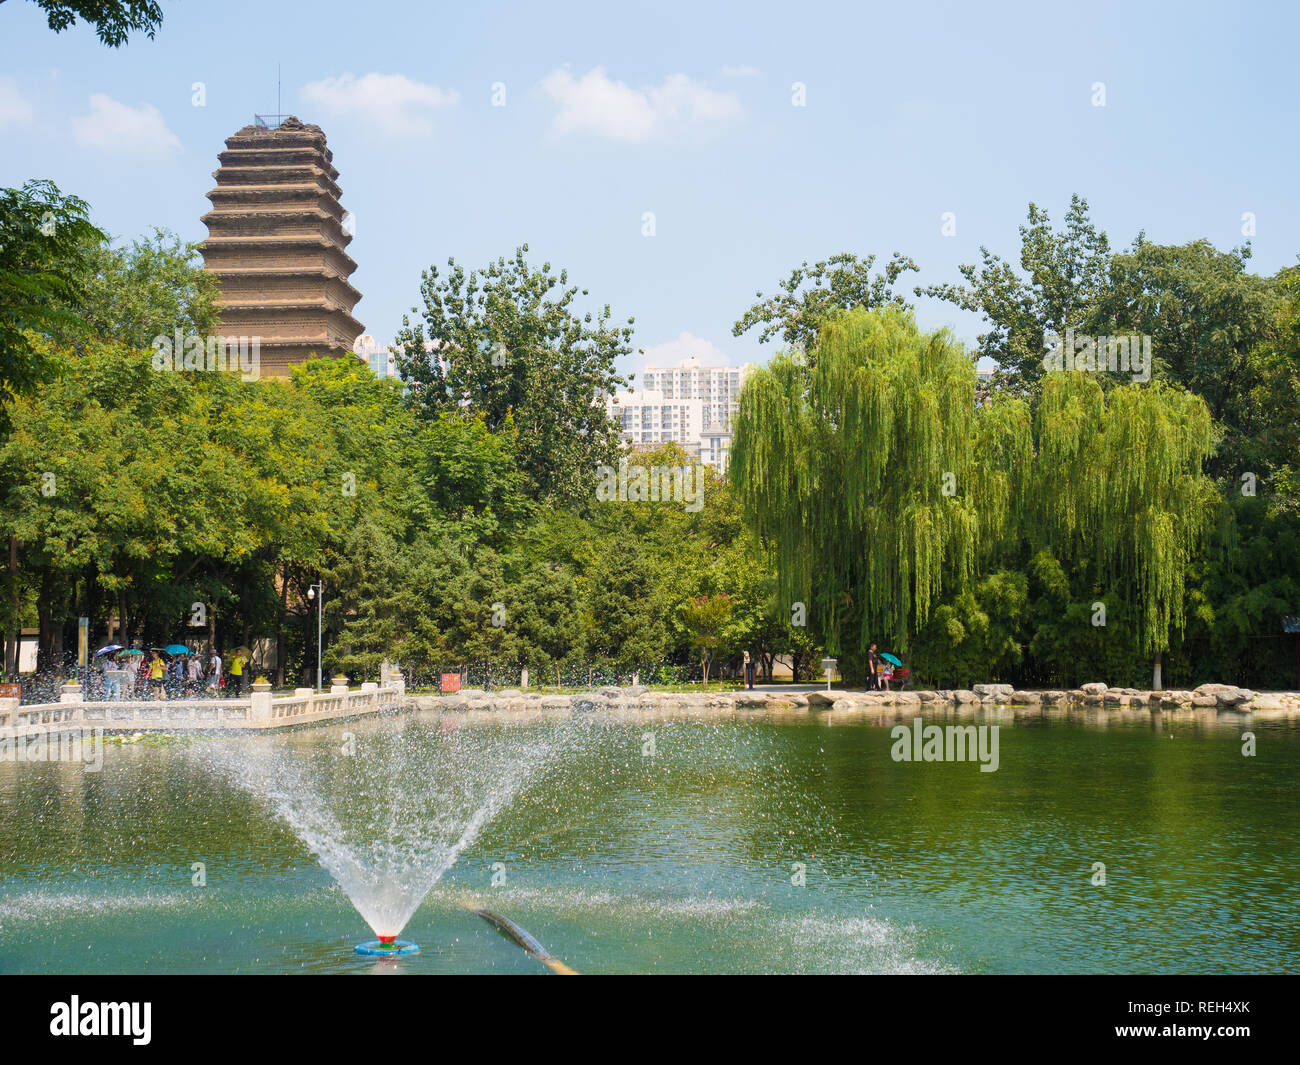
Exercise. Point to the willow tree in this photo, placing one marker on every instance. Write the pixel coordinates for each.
(860, 473)
(1118, 482)
(881, 488)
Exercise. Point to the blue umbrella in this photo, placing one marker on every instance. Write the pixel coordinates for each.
(108, 649)
(890, 658)
(177, 649)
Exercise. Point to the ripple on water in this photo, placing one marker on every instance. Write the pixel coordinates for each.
(578, 900)
(774, 941)
(851, 945)
(38, 905)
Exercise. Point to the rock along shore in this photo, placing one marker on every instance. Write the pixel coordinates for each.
(1091, 697)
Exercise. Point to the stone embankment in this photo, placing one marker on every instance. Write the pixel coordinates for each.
(1091, 697)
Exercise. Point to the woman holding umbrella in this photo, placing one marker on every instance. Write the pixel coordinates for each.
(108, 670)
(176, 669)
(893, 667)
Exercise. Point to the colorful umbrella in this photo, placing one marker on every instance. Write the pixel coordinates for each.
(108, 649)
(177, 649)
(890, 658)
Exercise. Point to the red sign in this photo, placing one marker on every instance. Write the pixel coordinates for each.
(11, 691)
(451, 682)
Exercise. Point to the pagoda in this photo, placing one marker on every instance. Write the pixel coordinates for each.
(277, 245)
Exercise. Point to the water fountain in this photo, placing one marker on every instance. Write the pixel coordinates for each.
(387, 806)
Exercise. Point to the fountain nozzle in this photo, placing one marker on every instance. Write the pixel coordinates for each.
(387, 947)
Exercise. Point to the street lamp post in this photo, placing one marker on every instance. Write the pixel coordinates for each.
(317, 592)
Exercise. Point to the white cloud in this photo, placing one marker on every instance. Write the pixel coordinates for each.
(393, 103)
(595, 104)
(671, 352)
(116, 127)
(14, 108)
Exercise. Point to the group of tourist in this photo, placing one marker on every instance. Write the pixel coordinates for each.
(129, 674)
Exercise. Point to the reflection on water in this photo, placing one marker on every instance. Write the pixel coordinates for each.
(738, 845)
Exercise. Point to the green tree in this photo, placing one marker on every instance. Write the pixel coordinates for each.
(113, 20)
(151, 288)
(1269, 427)
(861, 475)
(813, 294)
(1063, 275)
(1118, 478)
(45, 240)
(1204, 314)
(976, 635)
(508, 344)
(546, 615)
(706, 619)
(624, 608)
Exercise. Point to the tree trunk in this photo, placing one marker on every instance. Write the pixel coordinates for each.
(279, 630)
(45, 629)
(14, 643)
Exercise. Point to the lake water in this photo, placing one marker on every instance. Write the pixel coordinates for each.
(686, 845)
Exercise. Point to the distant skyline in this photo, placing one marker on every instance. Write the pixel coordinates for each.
(687, 111)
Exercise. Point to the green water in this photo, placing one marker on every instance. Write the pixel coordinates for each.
(684, 860)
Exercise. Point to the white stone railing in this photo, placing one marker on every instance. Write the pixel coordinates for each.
(261, 710)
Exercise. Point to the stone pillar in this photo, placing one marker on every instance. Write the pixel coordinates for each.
(71, 692)
(260, 714)
(339, 685)
(523, 678)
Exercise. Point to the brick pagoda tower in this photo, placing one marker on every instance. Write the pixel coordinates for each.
(277, 246)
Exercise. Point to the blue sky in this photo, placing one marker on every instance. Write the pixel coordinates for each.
(684, 110)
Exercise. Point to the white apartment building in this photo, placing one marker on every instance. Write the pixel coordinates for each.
(690, 403)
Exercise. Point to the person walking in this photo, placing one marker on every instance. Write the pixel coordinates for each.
(873, 669)
(214, 674)
(176, 677)
(157, 671)
(131, 663)
(195, 671)
(238, 670)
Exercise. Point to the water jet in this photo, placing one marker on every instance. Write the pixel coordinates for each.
(391, 811)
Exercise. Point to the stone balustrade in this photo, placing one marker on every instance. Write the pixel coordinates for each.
(260, 710)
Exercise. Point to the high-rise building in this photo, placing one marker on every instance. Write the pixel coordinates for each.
(716, 387)
(277, 244)
(383, 363)
(689, 403)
